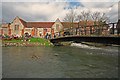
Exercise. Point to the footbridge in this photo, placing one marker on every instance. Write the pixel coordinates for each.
(106, 34)
(95, 39)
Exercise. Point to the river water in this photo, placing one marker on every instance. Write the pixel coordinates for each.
(75, 61)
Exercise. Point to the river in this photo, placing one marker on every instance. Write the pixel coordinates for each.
(75, 61)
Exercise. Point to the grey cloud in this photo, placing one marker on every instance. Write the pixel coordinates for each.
(113, 16)
(10, 10)
(97, 4)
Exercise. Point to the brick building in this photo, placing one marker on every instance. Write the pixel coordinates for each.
(19, 27)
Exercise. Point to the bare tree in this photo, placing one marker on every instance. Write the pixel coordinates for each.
(71, 18)
(99, 19)
(85, 18)
(95, 17)
(79, 18)
(85, 15)
(103, 18)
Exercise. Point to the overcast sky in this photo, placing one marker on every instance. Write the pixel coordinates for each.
(50, 10)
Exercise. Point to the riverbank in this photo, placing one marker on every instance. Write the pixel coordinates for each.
(44, 42)
(30, 43)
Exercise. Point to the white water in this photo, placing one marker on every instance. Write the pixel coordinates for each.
(110, 48)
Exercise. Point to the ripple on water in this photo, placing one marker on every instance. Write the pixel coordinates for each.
(58, 62)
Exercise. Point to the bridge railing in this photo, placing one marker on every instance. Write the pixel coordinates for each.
(92, 30)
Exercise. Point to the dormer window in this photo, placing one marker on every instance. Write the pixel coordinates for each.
(16, 27)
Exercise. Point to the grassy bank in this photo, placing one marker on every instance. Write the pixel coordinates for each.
(30, 42)
(41, 40)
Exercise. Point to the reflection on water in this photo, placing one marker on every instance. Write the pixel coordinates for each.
(59, 62)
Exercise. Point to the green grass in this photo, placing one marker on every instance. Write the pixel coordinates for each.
(41, 40)
(13, 40)
(32, 40)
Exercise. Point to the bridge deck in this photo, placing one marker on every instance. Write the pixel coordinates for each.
(96, 39)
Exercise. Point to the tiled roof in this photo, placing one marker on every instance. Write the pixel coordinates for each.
(40, 24)
(36, 24)
(23, 22)
(5, 25)
(89, 23)
(68, 24)
(49, 24)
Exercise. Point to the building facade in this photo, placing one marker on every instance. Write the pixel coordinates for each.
(18, 27)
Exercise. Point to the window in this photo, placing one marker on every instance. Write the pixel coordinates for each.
(16, 27)
(57, 26)
(45, 30)
(27, 30)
